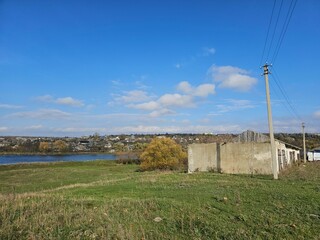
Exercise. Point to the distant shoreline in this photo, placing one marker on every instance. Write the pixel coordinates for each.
(55, 153)
(66, 153)
(14, 159)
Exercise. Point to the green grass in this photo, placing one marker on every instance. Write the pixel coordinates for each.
(103, 200)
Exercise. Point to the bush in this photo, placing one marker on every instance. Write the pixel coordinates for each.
(163, 154)
(128, 158)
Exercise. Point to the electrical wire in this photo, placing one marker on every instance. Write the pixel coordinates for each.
(274, 30)
(285, 95)
(284, 29)
(266, 40)
(276, 91)
(269, 43)
(276, 84)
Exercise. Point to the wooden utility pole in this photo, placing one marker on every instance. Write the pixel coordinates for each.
(304, 144)
(272, 143)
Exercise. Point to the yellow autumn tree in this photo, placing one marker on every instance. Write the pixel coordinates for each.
(60, 146)
(44, 147)
(163, 154)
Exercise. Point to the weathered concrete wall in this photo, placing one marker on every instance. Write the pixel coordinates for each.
(248, 158)
(240, 157)
(202, 157)
(251, 136)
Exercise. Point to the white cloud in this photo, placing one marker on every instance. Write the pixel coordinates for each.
(176, 100)
(4, 129)
(179, 128)
(317, 114)
(133, 96)
(34, 127)
(90, 107)
(166, 101)
(205, 120)
(45, 98)
(140, 84)
(116, 116)
(116, 82)
(130, 98)
(184, 87)
(9, 106)
(202, 90)
(61, 101)
(161, 112)
(232, 77)
(139, 129)
(285, 124)
(165, 104)
(211, 114)
(234, 105)
(208, 51)
(69, 101)
(80, 130)
(148, 106)
(42, 114)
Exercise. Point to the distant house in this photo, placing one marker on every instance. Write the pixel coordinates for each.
(84, 142)
(249, 153)
(314, 154)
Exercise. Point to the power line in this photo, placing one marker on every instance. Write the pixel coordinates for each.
(274, 31)
(270, 48)
(266, 40)
(284, 29)
(278, 85)
(276, 91)
(281, 101)
(285, 95)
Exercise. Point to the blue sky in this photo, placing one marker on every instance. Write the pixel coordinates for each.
(73, 68)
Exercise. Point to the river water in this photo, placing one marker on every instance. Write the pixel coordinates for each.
(13, 159)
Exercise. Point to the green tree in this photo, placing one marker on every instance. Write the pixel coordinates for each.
(139, 147)
(96, 136)
(119, 147)
(163, 154)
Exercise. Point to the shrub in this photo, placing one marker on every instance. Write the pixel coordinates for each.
(163, 154)
(128, 158)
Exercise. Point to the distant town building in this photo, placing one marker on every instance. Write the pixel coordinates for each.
(314, 154)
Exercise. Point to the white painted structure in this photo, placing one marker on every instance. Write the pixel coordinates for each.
(313, 156)
(286, 154)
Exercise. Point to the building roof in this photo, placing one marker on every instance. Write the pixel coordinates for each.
(316, 149)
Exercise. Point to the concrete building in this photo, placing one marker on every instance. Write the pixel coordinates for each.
(248, 153)
(314, 155)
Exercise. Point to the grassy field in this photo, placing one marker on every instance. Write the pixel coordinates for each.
(103, 200)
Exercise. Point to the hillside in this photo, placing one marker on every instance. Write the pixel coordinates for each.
(312, 140)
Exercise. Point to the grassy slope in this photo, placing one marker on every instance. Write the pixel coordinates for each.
(102, 200)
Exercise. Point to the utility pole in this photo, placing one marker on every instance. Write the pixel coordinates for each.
(304, 144)
(273, 147)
